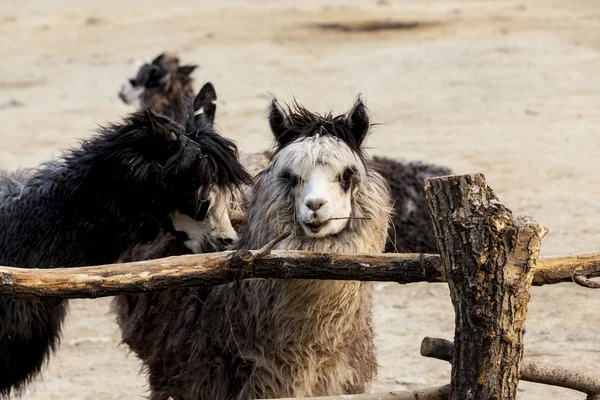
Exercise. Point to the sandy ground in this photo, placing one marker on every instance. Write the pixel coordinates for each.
(507, 88)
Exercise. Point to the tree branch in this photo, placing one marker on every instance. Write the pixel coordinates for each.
(218, 268)
(531, 371)
(584, 281)
(557, 269)
(213, 269)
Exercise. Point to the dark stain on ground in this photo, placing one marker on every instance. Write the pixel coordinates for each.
(372, 26)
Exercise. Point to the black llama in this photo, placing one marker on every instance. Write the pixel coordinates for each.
(115, 191)
(215, 232)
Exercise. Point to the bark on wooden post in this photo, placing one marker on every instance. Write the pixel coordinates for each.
(489, 258)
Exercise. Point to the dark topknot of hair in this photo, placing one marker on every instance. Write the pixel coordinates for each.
(217, 159)
(209, 156)
(302, 123)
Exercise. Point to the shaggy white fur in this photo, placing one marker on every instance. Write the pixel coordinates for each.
(309, 354)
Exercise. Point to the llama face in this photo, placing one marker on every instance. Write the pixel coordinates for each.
(203, 174)
(318, 164)
(133, 88)
(130, 93)
(321, 174)
(214, 232)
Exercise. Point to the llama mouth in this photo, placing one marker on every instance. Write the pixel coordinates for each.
(123, 98)
(315, 226)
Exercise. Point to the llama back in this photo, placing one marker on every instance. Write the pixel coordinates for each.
(412, 229)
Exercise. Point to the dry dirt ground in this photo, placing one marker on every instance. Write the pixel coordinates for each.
(507, 88)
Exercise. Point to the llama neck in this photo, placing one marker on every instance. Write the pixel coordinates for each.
(173, 104)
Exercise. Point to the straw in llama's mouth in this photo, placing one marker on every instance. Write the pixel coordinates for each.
(339, 218)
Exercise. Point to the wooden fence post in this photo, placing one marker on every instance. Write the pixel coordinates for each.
(489, 258)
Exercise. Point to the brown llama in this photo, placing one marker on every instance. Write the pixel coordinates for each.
(163, 85)
(279, 338)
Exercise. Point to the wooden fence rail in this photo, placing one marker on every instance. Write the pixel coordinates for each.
(220, 268)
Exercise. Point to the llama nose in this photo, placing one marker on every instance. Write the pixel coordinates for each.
(226, 241)
(314, 203)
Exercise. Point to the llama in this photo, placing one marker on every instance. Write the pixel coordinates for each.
(150, 88)
(215, 232)
(162, 85)
(114, 191)
(411, 230)
(278, 338)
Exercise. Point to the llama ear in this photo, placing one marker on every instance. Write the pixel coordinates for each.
(186, 69)
(358, 120)
(156, 73)
(278, 120)
(159, 58)
(205, 104)
(158, 126)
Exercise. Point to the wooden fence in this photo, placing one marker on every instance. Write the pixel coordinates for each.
(488, 257)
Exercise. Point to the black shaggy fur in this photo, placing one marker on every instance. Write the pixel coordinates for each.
(411, 230)
(113, 192)
(173, 243)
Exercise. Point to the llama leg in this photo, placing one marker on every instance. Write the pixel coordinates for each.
(29, 332)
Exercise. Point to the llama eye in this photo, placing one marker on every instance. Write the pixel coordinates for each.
(292, 179)
(348, 174)
(132, 82)
(346, 177)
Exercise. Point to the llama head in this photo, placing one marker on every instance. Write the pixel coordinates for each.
(187, 170)
(319, 165)
(161, 75)
(214, 231)
(215, 158)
